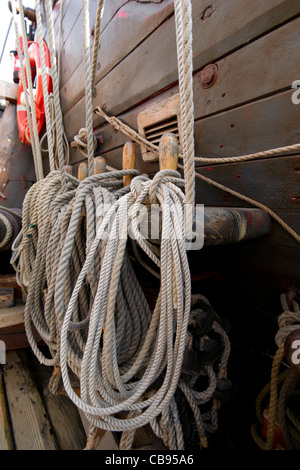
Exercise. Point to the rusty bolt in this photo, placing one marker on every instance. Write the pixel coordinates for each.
(208, 76)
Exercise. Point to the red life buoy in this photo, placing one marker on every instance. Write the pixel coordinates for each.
(36, 73)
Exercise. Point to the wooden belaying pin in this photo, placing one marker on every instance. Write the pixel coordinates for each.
(82, 171)
(168, 152)
(99, 165)
(128, 161)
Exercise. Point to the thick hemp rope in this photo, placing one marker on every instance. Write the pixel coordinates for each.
(51, 134)
(82, 292)
(25, 245)
(183, 23)
(114, 375)
(68, 218)
(44, 83)
(11, 219)
(100, 367)
(281, 386)
(28, 93)
(57, 107)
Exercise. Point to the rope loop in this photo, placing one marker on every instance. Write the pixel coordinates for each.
(81, 141)
(161, 177)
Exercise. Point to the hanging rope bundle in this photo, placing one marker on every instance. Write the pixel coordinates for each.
(131, 362)
(67, 224)
(101, 370)
(83, 296)
(283, 389)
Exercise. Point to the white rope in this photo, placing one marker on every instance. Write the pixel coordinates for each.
(44, 82)
(8, 230)
(28, 95)
(101, 374)
(55, 78)
(183, 22)
(288, 321)
(83, 296)
(88, 85)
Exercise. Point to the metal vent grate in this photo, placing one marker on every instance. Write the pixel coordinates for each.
(161, 118)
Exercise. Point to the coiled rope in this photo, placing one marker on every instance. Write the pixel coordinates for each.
(82, 293)
(282, 385)
(11, 219)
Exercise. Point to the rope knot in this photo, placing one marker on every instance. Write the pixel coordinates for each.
(81, 140)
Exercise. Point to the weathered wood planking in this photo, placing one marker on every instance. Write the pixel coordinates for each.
(273, 182)
(144, 72)
(130, 25)
(257, 126)
(5, 439)
(72, 51)
(71, 33)
(111, 7)
(9, 280)
(280, 237)
(64, 415)
(8, 91)
(31, 427)
(72, 9)
(7, 298)
(261, 125)
(12, 315)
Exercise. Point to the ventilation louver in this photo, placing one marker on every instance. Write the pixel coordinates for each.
(161, 118)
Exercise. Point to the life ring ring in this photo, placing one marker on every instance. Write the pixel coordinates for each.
(36, 74)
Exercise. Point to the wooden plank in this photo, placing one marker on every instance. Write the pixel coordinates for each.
(239, 131)
(138, 76)
(5, 439)
(63, 413)
(12, 315)
(9, 91)
(113, 139)
(107, 441)
(9, 280)
(273, 182)
(250, 128)
(7, 298)
(111, 7)
(32, 430)
(130, 25)
(278, 235)
(15, 337)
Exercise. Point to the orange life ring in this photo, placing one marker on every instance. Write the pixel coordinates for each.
(35, 65)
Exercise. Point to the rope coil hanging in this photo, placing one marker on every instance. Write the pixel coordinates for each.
(82, 290)
(284, 384)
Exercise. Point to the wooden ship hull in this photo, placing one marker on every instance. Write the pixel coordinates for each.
(245, 62)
